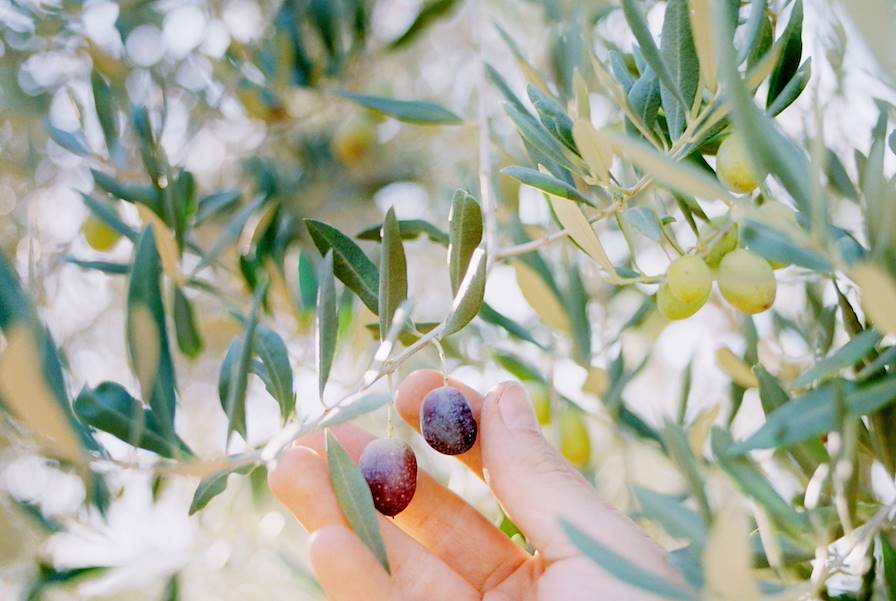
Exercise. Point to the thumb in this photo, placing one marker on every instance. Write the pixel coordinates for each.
(536, 486)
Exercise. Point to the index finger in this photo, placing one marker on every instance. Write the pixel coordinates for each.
(414, 389)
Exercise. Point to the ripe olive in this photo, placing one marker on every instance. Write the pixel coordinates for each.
(99, 235)
(390, 468)
(673, 309)
(735, 168)
(446, 421)
(575, 442)
(689, 280)
(747, 281)
(719, 246)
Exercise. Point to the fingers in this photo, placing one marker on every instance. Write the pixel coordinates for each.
(345, 567)
(301, 481)
(414, 389)
(537, 487)
(443, 522)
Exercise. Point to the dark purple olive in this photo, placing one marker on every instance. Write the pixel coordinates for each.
(390, 468)
(446, 421)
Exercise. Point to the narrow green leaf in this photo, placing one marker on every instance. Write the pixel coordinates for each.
(576, 301)
(676, 519)
(410, 111)
(752, 29)
(846, 356)
(410, 229)
(505, 90)
(393, 281)
(109, 267)
(429, 14)
(533, 132)
(231, 232)
(644, 220)
(638, 24)
(623, 569)
(237, 362)
(110, 408)
(552, 116)
(189, 339)
(838, 178)
(793, 89)
(350, 264)
(680, 55)
(355, 499)
(620, 70)
(105, 110)
(72, 141)
(213, 485)
(147, 195)
(464, 235)
(644, 98)
(546, 183)
(147, 337)
(791, 55)
(307, 281)
(491, 315)
(777, 245)
(107, 215)
(518, 367)
(229, 369)
(272, 350)
(215, 203)
(676, 443)
(327, 320)
(470, 293)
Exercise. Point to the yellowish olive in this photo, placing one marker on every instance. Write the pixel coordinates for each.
(99, 235)
(735, 168)
(719, 245)
(689, 280)
(575, 441)
(673, 309)
(747, 281)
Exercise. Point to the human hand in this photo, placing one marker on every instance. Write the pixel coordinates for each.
(442, 549)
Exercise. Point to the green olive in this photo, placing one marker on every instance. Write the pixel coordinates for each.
(575, 442)
(541, 401)
(735, 168)
(747, 281)
(719, 246)
(673, 309)
(689, 280)
(99, 235)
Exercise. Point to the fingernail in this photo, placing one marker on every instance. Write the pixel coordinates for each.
(515, 409)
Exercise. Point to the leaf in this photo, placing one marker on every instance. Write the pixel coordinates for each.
(410, 229)
(235, 370)
(777, 245)
(214, 485)
(109, 267)
(410, 111)
(552, 116)
(269, 346)
(518, 367)
(26, 393)
(355, 499)
(644, 220)
(470, 293)
(676, 519)
(393, 280)
(878, 292)
(231, 232)
(541, 297)
(105, 111)
(888, 558)
(736, 368)
(849, 354)
(491, 315)
(500, 83)
(109, 216)
(680, 55)
(72, 141)
(594, 149)
(752, 30)
(350, 264)
(327, 321)
(644, 99)
(134, 193)
(464, 235)
(229, 368)
(576, 302)
(546, 183)
(793, 89)
(789, 61)
(349, 411)
(727, 558)
(701, 29)
(165, 243)
(838, 178)
(188, 338)
(147, 337)
(110, 408)
(681, 176)
(307, 280)
(534, 133)
(621, 568)
(215, 203)
(580, 231)
(429, 14)
(638, 25)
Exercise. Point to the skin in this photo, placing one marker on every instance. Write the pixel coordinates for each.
(747, 281)
(442, 549)
(735, 168)
(673, 309)
(689, 280)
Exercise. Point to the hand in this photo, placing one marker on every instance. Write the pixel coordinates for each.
(440, 548)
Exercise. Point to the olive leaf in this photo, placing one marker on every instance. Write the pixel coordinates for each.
(327, 320)
(354, 498)
(269, 346)
(789, 61)
(189, 340)
(350, 264)
(470, 293)
(546, 183)
(464, 235)
(213, 485)
(680, 56)
(234, 375)
(410, 229)
(393, 281)
(410, 111)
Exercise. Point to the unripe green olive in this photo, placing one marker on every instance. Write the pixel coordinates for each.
(673, 309)
(689, 280)
(541, 401)
(747, 281)
(719, 246)
(735, 168)
(575, 442)
(353, 139)
(99, 235)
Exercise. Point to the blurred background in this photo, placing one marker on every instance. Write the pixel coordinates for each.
(241, 94)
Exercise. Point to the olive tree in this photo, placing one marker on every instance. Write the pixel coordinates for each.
(674, 153)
